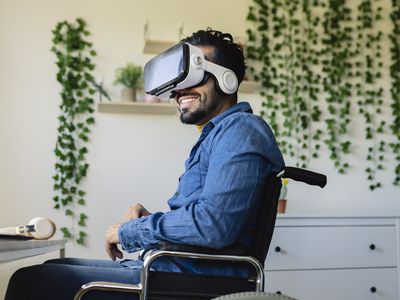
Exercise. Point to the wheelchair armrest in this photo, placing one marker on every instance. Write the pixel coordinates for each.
(236, 250)
(154, 254)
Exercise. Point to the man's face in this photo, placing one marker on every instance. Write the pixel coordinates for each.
(199, 104)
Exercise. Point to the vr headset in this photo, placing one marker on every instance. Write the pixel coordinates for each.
(184, 66)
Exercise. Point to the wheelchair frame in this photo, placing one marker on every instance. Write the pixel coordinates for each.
(142, 288)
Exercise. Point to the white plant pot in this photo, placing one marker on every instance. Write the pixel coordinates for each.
(128, 95)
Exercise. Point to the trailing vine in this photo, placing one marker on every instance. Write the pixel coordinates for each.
(310, 83)
(395, 85)
(307, 52)
(74, 60)
(369, 90)
(337, 67)
(282, 42)
(258, 49)
(284, 61)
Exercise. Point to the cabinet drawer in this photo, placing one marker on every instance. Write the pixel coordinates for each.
(332, 247)
(359, 284)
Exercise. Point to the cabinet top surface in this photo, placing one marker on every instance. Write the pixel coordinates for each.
(337, 216)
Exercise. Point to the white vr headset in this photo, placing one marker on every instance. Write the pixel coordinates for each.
(184, 66)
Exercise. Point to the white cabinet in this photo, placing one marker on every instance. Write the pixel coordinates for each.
(341, 284)
(334, 258)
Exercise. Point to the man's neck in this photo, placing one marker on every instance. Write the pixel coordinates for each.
(220, 109)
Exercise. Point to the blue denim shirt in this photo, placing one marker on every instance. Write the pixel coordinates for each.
(215, 199)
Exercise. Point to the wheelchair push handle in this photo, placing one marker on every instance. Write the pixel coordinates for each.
(303, 175)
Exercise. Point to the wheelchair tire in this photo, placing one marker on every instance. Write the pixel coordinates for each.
(254, 296)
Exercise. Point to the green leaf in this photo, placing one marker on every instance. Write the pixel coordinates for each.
(67, 234)
(82, 219)
(82, 238)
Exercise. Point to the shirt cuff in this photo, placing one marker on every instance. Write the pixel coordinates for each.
(136, 234)
(128, 236)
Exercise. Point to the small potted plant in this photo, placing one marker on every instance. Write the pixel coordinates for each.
(128, 76)
(282, 197)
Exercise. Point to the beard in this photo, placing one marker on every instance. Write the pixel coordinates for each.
(204, 110)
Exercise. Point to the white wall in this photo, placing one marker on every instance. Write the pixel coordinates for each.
(132, 157)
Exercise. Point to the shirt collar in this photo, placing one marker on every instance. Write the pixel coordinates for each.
(238, 107)
(208, 127)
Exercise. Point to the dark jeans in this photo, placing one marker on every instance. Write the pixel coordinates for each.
(61, 278)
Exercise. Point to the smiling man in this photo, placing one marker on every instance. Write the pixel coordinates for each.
(200, 104)
(217, 195)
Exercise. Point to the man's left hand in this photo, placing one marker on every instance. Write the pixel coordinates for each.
(111, 241)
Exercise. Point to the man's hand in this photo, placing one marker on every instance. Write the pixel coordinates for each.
(111, 242)
(136, 211)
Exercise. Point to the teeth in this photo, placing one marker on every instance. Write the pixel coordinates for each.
(186, 100)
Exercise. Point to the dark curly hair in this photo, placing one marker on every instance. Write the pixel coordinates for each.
(226, 53)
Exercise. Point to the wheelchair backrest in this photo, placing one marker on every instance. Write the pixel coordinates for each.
(268, 205)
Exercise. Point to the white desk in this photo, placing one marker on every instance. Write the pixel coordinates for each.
(17, 249)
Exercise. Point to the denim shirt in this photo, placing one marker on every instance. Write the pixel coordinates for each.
(215, 199)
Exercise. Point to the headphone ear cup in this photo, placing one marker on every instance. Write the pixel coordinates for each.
(230, 82)
(44, 228)
(217, 87)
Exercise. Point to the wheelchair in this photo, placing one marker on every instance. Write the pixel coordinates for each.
(156, 285)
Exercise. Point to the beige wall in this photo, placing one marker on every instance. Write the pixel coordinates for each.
(129, 155)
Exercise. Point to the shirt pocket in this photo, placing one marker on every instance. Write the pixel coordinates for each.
(191, 179)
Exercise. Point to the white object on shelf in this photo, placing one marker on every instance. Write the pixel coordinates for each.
(334, 258)
(137, 107)
(249, 87)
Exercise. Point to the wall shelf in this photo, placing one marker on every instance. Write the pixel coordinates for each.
(156, 47)
(137, 108)
(249, 87)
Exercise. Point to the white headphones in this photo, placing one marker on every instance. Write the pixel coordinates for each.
(226, 78)
(39, 228)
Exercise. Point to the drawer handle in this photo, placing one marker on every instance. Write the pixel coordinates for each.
(373, 289)
(277, 249)
(372, 247)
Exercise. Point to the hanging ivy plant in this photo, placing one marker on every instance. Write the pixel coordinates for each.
(395, 85)
(258, 49)
(336, 67)
(369, 91)
(284, 54)
(306, 52)
(309, 83)
(74, 60)
(283, 44)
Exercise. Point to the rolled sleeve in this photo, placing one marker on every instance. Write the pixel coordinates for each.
(135, 235)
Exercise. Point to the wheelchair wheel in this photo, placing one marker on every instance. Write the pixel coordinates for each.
(254, 296)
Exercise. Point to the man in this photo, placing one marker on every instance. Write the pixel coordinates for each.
(216, 200)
